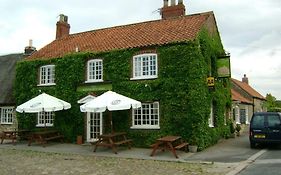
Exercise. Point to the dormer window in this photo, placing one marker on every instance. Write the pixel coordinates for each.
(145, 66)
(94, 71)
(47, 75)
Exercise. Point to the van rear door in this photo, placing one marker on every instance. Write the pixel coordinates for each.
(273, 123)
(257, 127)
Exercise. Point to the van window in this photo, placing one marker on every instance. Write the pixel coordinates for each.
(273, 121)
(258, 121)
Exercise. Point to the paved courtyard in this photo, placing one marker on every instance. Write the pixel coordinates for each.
(58, 159)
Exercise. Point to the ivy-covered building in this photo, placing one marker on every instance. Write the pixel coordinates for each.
(163, 63)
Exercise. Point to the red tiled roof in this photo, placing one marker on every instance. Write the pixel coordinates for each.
(246, 87)
(238, 97)
(150, 33)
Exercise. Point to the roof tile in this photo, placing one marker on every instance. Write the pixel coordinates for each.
(248, 89)
(149, 33)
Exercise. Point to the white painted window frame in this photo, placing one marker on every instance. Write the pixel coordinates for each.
(7, 115)
(47, 75)
(211, 117)
(45, 119)
(150, 115)
(145, 66)
(94, 66)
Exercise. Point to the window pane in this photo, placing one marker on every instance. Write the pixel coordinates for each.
(258, 121)
(147, 115)
(95, 70)
(47, 74)
(273, 121)
(145, 65)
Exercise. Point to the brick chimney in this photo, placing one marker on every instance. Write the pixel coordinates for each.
(62, 27)
(173, 10)
(245, 79)
(28, 50)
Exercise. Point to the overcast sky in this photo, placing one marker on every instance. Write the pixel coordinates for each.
(250, 29)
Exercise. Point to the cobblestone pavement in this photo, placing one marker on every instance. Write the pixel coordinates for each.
(29, 162)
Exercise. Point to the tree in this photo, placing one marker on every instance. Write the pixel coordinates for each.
(271, 104)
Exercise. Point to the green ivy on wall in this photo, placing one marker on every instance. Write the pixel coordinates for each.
(180, 89)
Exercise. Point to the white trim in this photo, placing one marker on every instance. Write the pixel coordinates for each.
(145, 127)
(94, 81)
(6, 117)
(41, 114)
(144, 77)
(86, 99)
(211, 116)
(49, 69)
(95, 62)
(138, 66)
(149, 116)
(49, 84)
(88, 134)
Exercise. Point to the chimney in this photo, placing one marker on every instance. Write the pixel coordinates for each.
(174, 10)
(28, 50)
(245, 79)
(62, 27)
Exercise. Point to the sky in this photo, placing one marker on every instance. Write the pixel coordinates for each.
(249, 29)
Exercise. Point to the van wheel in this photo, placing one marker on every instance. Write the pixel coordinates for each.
(252, 144)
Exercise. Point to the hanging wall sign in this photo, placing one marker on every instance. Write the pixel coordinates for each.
(223, 64)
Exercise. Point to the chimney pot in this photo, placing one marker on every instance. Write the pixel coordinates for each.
(166, 3)
(245, 79)
(28, 50)
(173, 10)
(62, 27)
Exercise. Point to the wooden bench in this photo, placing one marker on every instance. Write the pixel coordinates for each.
(113, 140)
(43, 137)
(182, 145)
(54, 137)
(127, 141)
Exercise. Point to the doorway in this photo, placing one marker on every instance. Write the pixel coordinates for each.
(94, 126)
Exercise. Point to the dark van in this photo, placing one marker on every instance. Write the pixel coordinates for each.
(265, 127)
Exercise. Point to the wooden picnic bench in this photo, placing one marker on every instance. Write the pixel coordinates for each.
(42, 137)
(113, 140)
(13, 135)
(171, 143)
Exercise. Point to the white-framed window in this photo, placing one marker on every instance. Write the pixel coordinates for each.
(145, 66)
(45, 119)
(236, 113)
(212, 117)
(146, 117)
(94, 71)
(47, 75)
(7, 115)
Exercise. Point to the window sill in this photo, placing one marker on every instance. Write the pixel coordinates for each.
(145, 127)
(6, 123)
(41, 126)
(94, 81)
(144, 78)
(51, 84)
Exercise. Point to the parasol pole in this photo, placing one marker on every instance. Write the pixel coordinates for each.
(111, 123)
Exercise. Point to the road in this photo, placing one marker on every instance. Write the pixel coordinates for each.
(267, 163)
(260, 161)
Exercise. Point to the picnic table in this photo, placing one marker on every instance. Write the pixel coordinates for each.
(171, 143)
(42, 137)
(112, 140)
(13, 135)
